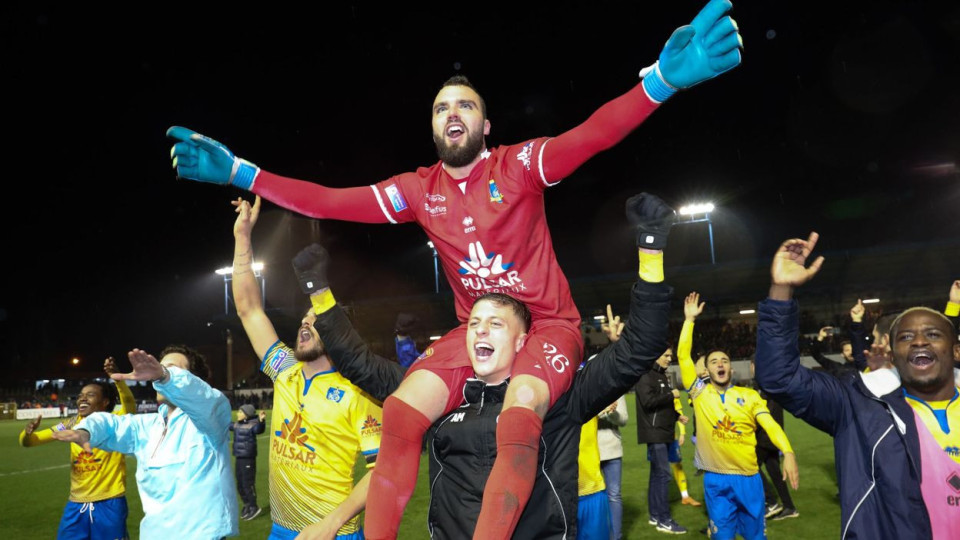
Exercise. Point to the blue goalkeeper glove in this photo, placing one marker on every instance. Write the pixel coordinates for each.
(201, 158)
(708, 46)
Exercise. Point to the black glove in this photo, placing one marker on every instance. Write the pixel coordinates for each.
(310, 266)
(653, 218)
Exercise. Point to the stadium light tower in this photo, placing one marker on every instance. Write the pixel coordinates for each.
(227, 273)
(694, 210)
(436, 268)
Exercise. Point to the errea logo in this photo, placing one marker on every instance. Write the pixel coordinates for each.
(468, 225)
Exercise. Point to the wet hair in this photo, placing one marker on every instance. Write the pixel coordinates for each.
(896, 323)
(503, 300)
(195, 361)
(108, 391)
(461, 80)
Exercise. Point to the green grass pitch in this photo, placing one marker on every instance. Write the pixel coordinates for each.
(34, 483)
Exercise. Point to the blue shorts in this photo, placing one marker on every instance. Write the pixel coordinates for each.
(593, 516)
(673, 452)
(736, 506)
(101, 520)
(279, 532)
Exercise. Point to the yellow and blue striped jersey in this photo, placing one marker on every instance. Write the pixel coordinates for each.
(726, 421)
(97, 475)
(590, 479)
(942, 419)
(317, 429)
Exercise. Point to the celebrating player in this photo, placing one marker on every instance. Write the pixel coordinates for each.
(472, 203)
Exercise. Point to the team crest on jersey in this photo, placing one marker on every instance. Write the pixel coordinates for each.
(396, 199)
(954, 451)
(425, 354)
(495, 195)
(740, 401)
(371, 426)
(468, 225)
(335, 394)
(525, 153)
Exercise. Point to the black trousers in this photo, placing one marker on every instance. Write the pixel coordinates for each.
(247, 481)
(771, 460)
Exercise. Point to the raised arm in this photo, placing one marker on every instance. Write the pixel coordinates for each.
(644, 337)
(952, 311)
(128, 403)
(815, 351)
(692, 308)
(858, 335)
(353, 358)
(246, 290)
(708, 46)
(817, 398)
(31, 436)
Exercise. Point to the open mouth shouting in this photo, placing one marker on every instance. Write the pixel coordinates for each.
(921, 359)
(455, 131)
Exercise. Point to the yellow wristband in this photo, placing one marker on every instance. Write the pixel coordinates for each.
(323, 301)
(651, 266)
(952, 309)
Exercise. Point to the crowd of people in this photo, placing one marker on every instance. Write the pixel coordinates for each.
(509, 404)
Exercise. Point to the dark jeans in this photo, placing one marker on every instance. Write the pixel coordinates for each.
(771, 460)
(246, 481)
(657, 490)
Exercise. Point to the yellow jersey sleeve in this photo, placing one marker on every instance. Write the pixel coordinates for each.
(128, 404)
(589, 479)
(688, 372)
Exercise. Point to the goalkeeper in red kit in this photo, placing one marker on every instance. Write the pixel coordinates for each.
(483, 209)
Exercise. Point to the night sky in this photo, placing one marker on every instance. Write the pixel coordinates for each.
(843, 118)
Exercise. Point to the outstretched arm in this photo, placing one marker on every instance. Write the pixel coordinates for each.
(200, 158)
(708, 46)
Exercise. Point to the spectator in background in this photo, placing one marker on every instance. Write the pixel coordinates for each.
(406, 346)
(97, 506)
(656, 420)
(245, 431)
(609, 422)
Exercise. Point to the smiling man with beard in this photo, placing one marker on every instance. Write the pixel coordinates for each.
(895, 432)
(320, 420)
(727, 421)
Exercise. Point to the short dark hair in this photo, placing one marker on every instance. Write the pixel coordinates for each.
(846, 342)
(707, 356)
(109, 392)
(461, 80)
(504, 300)
(885, 322)
(195, 361)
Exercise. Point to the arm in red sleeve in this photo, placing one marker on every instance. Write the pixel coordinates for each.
(357, 204)
(609, 125)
